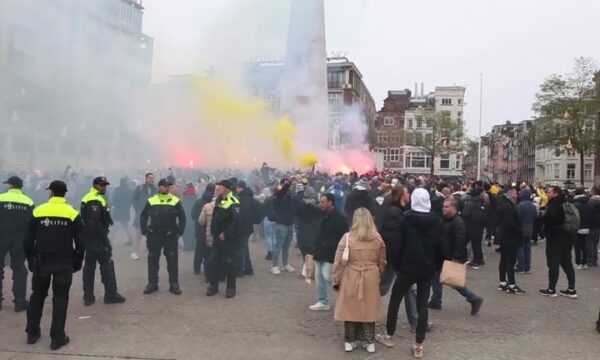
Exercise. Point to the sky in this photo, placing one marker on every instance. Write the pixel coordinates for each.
(515, 44)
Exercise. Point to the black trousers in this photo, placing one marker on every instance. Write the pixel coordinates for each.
(40, 283)
(223, 257)
(580, 249)
(508, 259)
(14, 247)
(401, 286)
(476, 240)
(102, 256)
(156, 243)
(558, 254)
(200, 253)
(244, 263)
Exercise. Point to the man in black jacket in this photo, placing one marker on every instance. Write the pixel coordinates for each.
(246, 197)
(510, 235)
(454, 249)
(594, 235)
(476, 214)
(283, 217)
(581, 203)
(332, 229)
(359, 198)
(559, 245)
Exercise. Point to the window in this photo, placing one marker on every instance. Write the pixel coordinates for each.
(382, 136)
(446, 101)
(335, 79)
(409, 123)
(571, 153)
(446, 113)
(459, 115)
(384, 152)
(428, 138)
(460, 101)
(417, 160)
(587, 171)
(126, 15)
(457, 163)
(388, 121)
(557, 171)
(570, 171)
(336, 102)
(445, 161)
(394, 137)
(394, 155)
(419, 121)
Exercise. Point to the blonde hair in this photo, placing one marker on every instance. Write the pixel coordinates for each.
(363, 227)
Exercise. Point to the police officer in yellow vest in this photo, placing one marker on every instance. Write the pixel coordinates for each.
(225, 229)
(167, 223)
(16, 212)
(54, 251)
(96, 218)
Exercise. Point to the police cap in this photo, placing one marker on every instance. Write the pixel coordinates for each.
(164, 182)
(226, 184)
(57, 186)
(101, 180)
(15, 181)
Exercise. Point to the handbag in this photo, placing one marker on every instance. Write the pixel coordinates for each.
(346, 253)
(454, 274)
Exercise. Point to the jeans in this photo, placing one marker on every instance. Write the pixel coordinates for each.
(283, 239)
(402, 286)
(592, 247)
(323, 277)
(580, 249)
(558, 254)
(244, 263)
(508, 258)
(524, 255)
(269, 230)
(438, 291)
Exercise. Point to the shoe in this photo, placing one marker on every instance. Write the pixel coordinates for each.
(514, 289)
(87, 301)
(348, 347)
(474, 266)
(288, 268)
(275, 270)
(230, 293)
(212, 290)
(585, 266)
(249, 272)
(475, 306)
(502, 287)
(435, 306)
(570, 293)
(548, 293)
(489, 243)
(385, 340)
(319, 307)
(150, 288)
(527, 272)
(370, 347)
(134, 256)
(174, 289)
(269, 256)
(115, 299)
(578, 267)
(21, 305)
(32, 338)
(418, 351)
(58, 343)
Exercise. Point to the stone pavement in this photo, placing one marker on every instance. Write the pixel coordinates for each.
(269, 319)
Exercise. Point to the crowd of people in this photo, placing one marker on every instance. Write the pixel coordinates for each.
(365, 235)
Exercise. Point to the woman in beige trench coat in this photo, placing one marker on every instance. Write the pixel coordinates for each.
(359, 303)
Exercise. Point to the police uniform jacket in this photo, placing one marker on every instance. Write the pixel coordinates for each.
(55, 241)
(226, 218)
(96, 219)
(16, 212)
(166, 215)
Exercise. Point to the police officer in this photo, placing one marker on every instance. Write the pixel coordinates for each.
(225, 230)
(96, 220)
(16, 212)
(167, 223)
(54, 251)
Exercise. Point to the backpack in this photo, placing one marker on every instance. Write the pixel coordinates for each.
(258, 212)
(572, 220)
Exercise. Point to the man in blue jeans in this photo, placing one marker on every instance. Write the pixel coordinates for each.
(284, 220)
(454, 249)
(332, 229)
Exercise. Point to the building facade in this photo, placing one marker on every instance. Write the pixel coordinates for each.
(69, 70)
(560, 167)
(388, 130)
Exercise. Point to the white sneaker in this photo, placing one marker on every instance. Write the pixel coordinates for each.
(370, 348)
(348, 347)
(275, 270)
(288, 268)
(320, 307)
(134, 256)
(578, 267)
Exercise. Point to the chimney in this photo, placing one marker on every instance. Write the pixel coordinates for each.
(422, 89)
(416, 90)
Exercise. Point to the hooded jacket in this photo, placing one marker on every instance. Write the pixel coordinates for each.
(309, 219)
(475, 216)
(391, 232)
(246, 198)
(581, 203)
(594, 207)
(356, 200)
(454, 243)
(420, 253)
(554, 216)
(332, 229)
(510, 231)
(527, 212)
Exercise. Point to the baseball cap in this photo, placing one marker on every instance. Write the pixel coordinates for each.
(100, 180)
(164, 182)
(57, 186)
(15, 181)
(225, 183)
